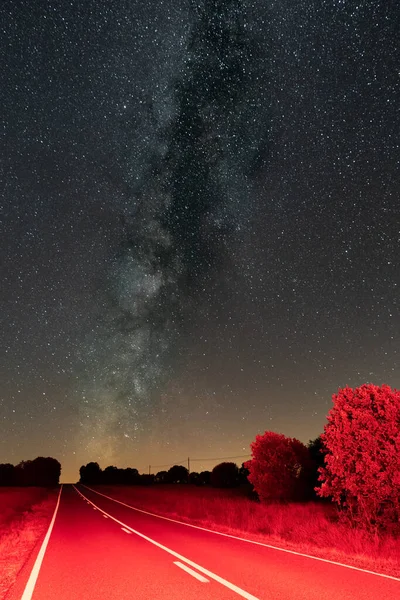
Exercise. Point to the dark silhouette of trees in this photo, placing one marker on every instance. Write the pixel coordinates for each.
(194, 478)
(317, 452)
(7, 474)
(146, 479)
(41, 472)
(91, 474)
(225, 475)
(243, 474)
(131, 476)
(111, 475)
(205, 478)
(281, 468)
(23, 473)
(115, 476)
(46, 471)
(161, 477)
(362, 462)
(178, 474)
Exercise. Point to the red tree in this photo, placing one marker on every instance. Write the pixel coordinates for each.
(362, 464)
(280, 469)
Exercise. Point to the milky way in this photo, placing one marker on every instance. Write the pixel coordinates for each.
(182, 207)
(200, 222)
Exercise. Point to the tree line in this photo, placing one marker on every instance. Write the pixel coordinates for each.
(42, 472)
(225, 474)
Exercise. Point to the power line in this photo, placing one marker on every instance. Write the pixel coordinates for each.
(181, 462)
(221, 458)
(169, 464)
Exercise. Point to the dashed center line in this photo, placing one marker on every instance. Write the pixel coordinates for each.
(105, 516)
(210, 574)
(191, 572)
(126, 530)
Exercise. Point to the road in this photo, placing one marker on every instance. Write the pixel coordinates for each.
(99, 549)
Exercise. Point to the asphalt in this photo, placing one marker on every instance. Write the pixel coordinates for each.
(90, 556)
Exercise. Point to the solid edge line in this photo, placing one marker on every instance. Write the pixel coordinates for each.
(191, 572)
(30, 586)
(234, 537)
(210, 574)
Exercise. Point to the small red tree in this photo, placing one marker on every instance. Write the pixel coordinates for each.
(280, 469)
(362, 464)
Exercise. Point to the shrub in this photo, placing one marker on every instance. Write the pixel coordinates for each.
(281, 468)
(362, 464)
(225, 475)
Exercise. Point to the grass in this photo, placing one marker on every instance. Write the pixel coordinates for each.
(25, 514)
(310, 528)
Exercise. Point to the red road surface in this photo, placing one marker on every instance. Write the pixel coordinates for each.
(89, 556)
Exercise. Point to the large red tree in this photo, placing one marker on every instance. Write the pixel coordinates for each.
(280, 468)
(362, 463)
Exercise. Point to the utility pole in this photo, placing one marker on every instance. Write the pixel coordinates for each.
(149, 469)
(189, 465)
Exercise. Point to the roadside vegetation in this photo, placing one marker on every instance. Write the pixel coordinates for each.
(25, 514)
(310, 527)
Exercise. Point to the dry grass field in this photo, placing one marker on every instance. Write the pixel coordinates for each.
(25, 514)
(311, 528)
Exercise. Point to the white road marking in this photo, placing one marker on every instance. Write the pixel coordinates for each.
(235, 537)
(123, 529)
(210, 574)
(105, 516)
(191, 572)
(30, 586)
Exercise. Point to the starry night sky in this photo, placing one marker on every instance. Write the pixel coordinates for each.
(200, 223)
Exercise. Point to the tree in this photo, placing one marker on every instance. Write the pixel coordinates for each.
(161, 477)
(91, 473)
(146, 479)
(46, 471)
(194, 478)
(317, 452)
(280, 469)
(178, 474)
(131, 476)
(23, 473)
(7, 474)
(111, 475)
(243, 475)
(225, 475)
(362, 462)
(204, 478)
(41, 471)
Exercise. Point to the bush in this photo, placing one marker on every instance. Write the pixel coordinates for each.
(178, 474)
(225, 475)
(317, 452)
(281, 468)
(362, 464)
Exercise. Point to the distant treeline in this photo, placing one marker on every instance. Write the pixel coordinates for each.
(42, 472)
(226, 474)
